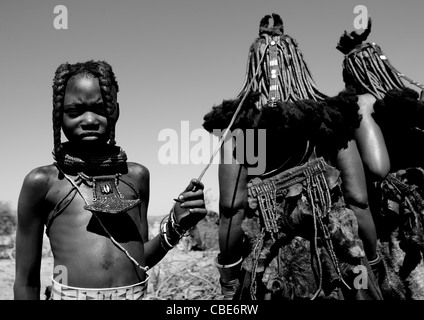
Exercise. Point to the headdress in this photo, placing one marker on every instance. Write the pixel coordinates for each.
(366, 67)
(277, 68)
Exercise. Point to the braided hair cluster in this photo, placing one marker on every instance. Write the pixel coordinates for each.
(108, 86)
(365, 67)
(294, 78)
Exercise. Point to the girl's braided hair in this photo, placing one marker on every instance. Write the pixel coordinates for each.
(108, 86)
(366, 68)
(293, 78)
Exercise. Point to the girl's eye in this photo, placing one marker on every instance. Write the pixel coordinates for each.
(72, 113)
(99, 109)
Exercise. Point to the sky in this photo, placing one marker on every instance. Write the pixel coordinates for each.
(174, 60)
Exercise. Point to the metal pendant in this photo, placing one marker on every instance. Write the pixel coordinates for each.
(107, 197)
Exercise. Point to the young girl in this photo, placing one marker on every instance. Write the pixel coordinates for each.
(92, 201)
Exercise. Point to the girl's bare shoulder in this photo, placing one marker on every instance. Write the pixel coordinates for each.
(138, 170)
(41, 176)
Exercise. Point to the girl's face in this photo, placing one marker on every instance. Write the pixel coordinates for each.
(84, 113)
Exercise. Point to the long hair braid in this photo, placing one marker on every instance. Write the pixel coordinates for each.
(366, 67)
(108, 87)
(108, 84)
(59, 86)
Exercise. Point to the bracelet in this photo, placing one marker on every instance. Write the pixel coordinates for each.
(171, 227)
(175, 226)
(375, 261)
(164, 241)
(169, 236)
(165, 245)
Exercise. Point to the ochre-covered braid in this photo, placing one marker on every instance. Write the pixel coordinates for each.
(367, 72)
(59, 87)
(108, 87)
(108, 84)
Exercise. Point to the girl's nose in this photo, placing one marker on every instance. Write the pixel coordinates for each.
(90, 118)
(90, 121)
